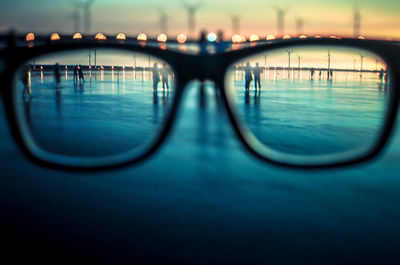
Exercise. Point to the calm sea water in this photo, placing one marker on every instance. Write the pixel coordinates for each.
(202, 195)
(297, 115)
(114, 112)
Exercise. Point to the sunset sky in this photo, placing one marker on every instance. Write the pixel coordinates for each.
(310, 57)
(378, 18)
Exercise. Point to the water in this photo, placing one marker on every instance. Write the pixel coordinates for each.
(117, 111)
(295, 115)
(109, 114)
(202, 199)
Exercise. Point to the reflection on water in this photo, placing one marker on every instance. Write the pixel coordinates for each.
(320, 106)
(97, 113)
(304, 116)
(314, 100)
(294, 115)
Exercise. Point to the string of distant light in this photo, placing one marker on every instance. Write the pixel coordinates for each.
(181, 38)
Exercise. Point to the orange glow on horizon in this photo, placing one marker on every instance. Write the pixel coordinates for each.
(181, 38)
(254, 37)
(270, 37)
(162, 38)
(316, 57)
(121, 36)
(236, 38)
(100, 36)
(302, 37)
(77, 36)
(182, 47)
(55, 36)
(30, 37)
(142, 37)
(236, 46)
(286, 37)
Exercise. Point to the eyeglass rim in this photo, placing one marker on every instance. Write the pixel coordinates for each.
(384, 49)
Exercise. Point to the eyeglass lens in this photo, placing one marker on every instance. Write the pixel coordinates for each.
(94, 102)
(302, 101)
(310, 101)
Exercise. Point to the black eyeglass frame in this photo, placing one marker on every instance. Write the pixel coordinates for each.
(203, 67)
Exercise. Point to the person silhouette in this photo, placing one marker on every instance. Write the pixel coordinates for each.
(80, 73)
(156, 76)
(312, 70)
(257, 76)
(247, 76)
(220, 44)
(381, 74)
(203, 42)
(57, 75)
(247, 97)
(164, 76)
(257, 95)
(75, 73)
(25, 81)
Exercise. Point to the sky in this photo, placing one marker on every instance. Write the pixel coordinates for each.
(315, 56)
(105, 57)
(325, 17)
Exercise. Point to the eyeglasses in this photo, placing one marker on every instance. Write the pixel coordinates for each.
(301, 103)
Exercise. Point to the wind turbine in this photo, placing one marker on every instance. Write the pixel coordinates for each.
(280, 14)
(134, 65)
(163, 22)
(356, 23)
(235, 24)
(89, 58)
(288, 52)
(361, 64)
(191, 9)
(299, 61)
(75, 17)
(87, 15)
(299, 65)
(329, 64)
(299, 26)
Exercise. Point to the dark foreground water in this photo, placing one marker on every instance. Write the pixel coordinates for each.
(202, 199)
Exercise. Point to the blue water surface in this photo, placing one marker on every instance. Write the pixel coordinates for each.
(201, 199)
